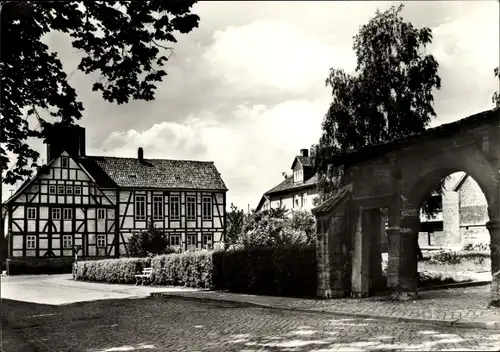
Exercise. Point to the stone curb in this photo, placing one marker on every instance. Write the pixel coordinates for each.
(450, 323)
(456, 285)
(443, 287)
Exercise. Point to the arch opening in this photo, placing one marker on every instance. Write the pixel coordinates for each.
(457, 227)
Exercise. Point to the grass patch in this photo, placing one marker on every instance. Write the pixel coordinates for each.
(448, 267)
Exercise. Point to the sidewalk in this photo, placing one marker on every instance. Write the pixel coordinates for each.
(460, 307)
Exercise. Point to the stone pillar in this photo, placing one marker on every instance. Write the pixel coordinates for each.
(322, 259)
(376, 232)
(337, 255)
(402, 249)
(361, 279)
(494, 229)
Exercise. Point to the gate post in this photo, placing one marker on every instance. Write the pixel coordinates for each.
(402, 249)
(331, 245)
(494, 229)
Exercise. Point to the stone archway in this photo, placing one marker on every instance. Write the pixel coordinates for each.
(398, 176)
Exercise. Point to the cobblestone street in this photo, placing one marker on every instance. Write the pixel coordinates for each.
(170, 324)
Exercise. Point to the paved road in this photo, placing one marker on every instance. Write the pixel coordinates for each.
(167, 324)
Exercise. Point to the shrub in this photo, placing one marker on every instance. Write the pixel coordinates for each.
(446, 258)
(280, 271)
(273, 227)
(191, 269)
(117, 271)
(303, 221)
(477, 247)
(152, 241)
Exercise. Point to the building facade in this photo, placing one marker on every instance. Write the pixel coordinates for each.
(463, 216)
(297, 191)
(91, 205)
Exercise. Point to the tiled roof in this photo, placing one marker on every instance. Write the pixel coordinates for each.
(288, 185)
(304, 160)
(443, 130)
(331, 203)
(154, 173)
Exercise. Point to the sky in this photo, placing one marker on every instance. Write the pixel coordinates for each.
(247, 91)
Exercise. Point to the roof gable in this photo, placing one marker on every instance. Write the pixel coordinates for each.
(303, 160)
(288, 185)
(460, 182)
(44, 172)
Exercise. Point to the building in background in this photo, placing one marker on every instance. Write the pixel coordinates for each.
(297, 191)
(463, 216)
(91, 205)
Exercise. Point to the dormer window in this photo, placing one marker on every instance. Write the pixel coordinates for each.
(298, 176)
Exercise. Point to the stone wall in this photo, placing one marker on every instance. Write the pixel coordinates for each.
(473, 214)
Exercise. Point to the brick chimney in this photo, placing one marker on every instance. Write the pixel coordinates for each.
(68, 138)
(304, 152)
(140, 155)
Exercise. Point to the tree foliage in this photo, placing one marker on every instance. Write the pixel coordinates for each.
(496, 96)
(124, 42)
(268, 228)
(152, 241)
(390, 94)
(234, 227)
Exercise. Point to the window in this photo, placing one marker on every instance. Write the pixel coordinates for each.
(207, 208)
(207, 241)
(31, 213)
(157, 207)
(298, 176)
(56, 214)
(101, 240)
(30, 242)
(191, 208)
(67, 241)
(140, 207)
(174, 208)
(78, 190)
(68, 214)
(304, 199)
(64, 162)
(52, 189)
(191, 240)
(69, 189)
(60, 189)
(297, 201)
(101, 214)
(175, 240)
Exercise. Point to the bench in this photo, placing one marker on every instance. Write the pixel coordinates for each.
(145, 276)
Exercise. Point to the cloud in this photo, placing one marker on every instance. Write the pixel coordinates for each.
(249, 162)
(246, 89)
(274, 53)
(467, 50)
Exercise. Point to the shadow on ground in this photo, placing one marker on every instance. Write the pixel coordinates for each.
(167, 324)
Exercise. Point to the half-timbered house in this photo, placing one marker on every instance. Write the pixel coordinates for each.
(91, 205)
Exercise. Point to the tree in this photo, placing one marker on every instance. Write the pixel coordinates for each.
(235, 222)
(274, 228)
(123, 41)
(496, 96)
(390, 95)
(152, 241)
(303, 221)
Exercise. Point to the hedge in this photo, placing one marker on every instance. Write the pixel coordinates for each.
(278, 271)
(27, 266)
(116, 271)
(191, 269)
